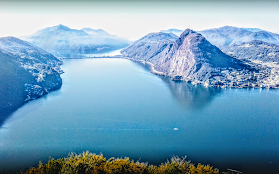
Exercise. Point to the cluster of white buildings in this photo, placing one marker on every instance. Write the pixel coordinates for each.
(264, 78)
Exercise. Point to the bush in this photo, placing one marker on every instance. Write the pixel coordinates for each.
(202, 169)
(88, 163)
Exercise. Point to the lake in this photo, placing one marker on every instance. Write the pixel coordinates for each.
(118, 108)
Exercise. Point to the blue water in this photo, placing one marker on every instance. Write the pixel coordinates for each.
(118, 108)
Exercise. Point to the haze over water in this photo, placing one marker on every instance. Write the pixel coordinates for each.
(117, 107)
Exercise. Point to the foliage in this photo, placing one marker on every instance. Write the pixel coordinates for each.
(202, 169)
(88, 163)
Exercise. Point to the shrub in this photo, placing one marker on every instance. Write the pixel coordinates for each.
(88, 163)
(202, 169)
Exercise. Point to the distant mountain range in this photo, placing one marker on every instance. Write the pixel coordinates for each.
(26, 69)
(62, 41)
(173, 31)
(225, 36)
(228, 35)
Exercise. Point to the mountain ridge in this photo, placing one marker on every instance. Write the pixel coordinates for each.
(228, 35)
(149, 46)
(30, 71)
(63, 41)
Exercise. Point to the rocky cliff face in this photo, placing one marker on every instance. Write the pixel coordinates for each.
(27, 72)
(62, 41)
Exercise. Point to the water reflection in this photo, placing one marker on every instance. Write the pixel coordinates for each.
(5, 112)
(193, 97)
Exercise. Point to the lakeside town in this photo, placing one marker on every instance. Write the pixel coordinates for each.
(264, 75)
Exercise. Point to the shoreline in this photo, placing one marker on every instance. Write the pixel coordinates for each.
(226, 79)
(239, 82)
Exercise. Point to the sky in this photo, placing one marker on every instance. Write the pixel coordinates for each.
(135, 18)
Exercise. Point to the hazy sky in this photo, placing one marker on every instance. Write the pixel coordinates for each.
(136, 18)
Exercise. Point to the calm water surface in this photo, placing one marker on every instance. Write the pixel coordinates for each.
(117, 107)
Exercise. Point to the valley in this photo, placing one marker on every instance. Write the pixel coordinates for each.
(61, 92)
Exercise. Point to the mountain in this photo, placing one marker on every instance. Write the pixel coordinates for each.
(190, 57)
(104, 38)
(173, 31)
(62, 41)
(225, 36)
(98, 32)
(254, 51)
(149, 46)
(252, 29)
(193, 57)
(27, 72)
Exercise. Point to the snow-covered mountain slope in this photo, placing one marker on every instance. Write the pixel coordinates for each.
(27, 72)
(61, 41)
(225, 36)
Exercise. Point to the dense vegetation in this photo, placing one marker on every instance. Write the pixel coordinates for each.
(92, 163)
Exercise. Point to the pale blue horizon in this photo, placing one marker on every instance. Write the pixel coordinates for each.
(135, 19)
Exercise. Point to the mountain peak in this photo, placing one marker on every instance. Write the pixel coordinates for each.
(60, 27)
(187, 32)
(191, 57)
(228, 27)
